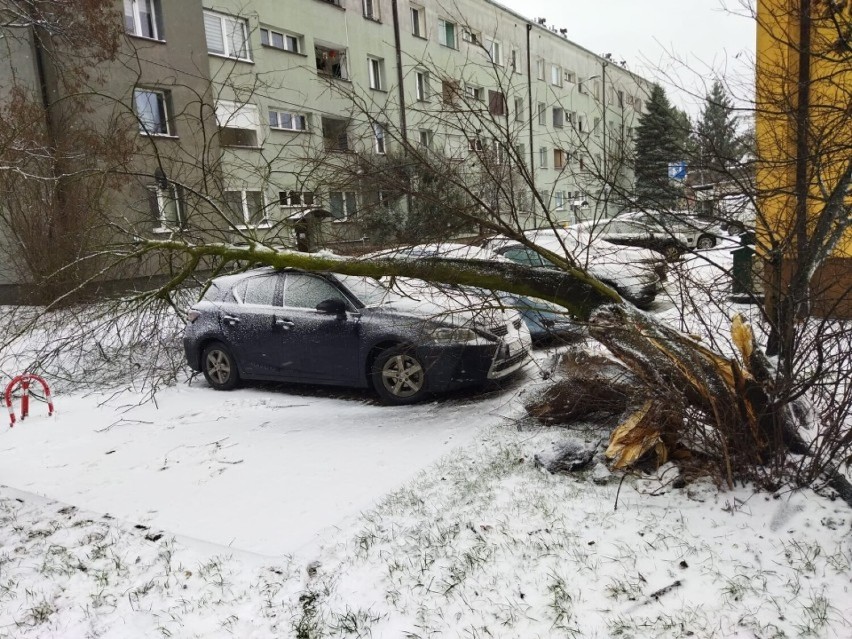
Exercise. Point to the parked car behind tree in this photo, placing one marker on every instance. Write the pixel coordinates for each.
(299, 326)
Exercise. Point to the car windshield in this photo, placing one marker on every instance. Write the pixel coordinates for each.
(371, 292)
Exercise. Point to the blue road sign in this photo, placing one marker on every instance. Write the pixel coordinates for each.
(677, 170)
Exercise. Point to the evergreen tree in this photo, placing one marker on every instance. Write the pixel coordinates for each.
(661, 138)
(718, 144)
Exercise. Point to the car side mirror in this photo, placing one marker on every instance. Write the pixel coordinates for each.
(332, 307)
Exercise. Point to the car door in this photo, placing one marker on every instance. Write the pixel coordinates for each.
(248, 324)
(326, 347)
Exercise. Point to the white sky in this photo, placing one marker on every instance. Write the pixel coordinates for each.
(678, 43)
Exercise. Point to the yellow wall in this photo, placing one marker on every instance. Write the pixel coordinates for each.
(777, 98)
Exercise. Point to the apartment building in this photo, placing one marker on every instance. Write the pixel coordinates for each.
(236, 106)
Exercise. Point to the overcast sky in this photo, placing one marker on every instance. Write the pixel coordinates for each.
(701, 34)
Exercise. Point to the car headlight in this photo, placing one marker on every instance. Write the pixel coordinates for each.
(447, 334)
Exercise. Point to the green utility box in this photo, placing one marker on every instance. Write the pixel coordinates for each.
(743, 269)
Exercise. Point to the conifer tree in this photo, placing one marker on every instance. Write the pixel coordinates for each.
(660, 139)
(717, 141)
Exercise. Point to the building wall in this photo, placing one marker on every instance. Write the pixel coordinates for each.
(829, 133)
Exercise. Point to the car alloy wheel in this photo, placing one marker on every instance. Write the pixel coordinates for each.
(706, 242)
(220, 369)
(398, 376)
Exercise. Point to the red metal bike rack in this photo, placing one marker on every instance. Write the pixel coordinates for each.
(24, 382)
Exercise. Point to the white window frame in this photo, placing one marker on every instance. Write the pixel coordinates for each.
(162, 101)
(376, 71)
(474, 92)
(542, 114)
(370, 9)
(235, 115)
(515, 60)
(162, 195)
(289, 204)
(424, 138)
(133, 7)
(421, 86)
(471, 37)
(556, 75)
(442, 34)
(519, 109)
(264, 223)
(418, 30)
(559, 196)
(293, 118)
(344, 201)
(343, 63)
(267, 33)
(560, 112)
(223, 19)
(542, 157)
(540, 68)
(379, 138)
(495, 52)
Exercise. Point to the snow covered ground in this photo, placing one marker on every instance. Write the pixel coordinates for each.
(277, 511)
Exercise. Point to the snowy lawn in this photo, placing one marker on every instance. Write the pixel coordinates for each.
(275, 511)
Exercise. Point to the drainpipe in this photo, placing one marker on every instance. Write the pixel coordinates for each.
(530, 99)
(403, 127)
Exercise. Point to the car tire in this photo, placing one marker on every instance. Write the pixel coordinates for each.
(399, 376)
(705, 242)
(736, 229)
(219, 366)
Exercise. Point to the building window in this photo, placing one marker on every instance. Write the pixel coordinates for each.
(637, 104)
(295, 199)
(378, 138)
(515, 61)
(424, 136)
(582, 124)
(596, 88)
(376, 68)
(597, 126)
(245, 208)
(560, 200)
(621, 99)
(474, 93)
(143, 18)
(239, 124)
(570, 77)
(331, 62)
(167, 207)
(281, 40)
(384, 198)
(470, 36)
(152, 111)
(496, 103)
(542, 157)
(542, 113)
(560, 159)
(371, 9)
(449, 91)
(418, 21)
(499, 152)
(539, 68)
(495, 52)
(335, 134)
(226, 35)
(474, 144)
(447, 34)
(519, 109)
(421, 85)
(558, 117)
(556, 75)
(287, 121)
(342, 204)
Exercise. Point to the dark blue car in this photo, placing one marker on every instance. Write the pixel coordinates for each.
(405, 342)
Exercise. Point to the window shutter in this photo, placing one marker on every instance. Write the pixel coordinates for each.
(213, 30)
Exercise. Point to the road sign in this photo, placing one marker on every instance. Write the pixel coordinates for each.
(677, 171)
